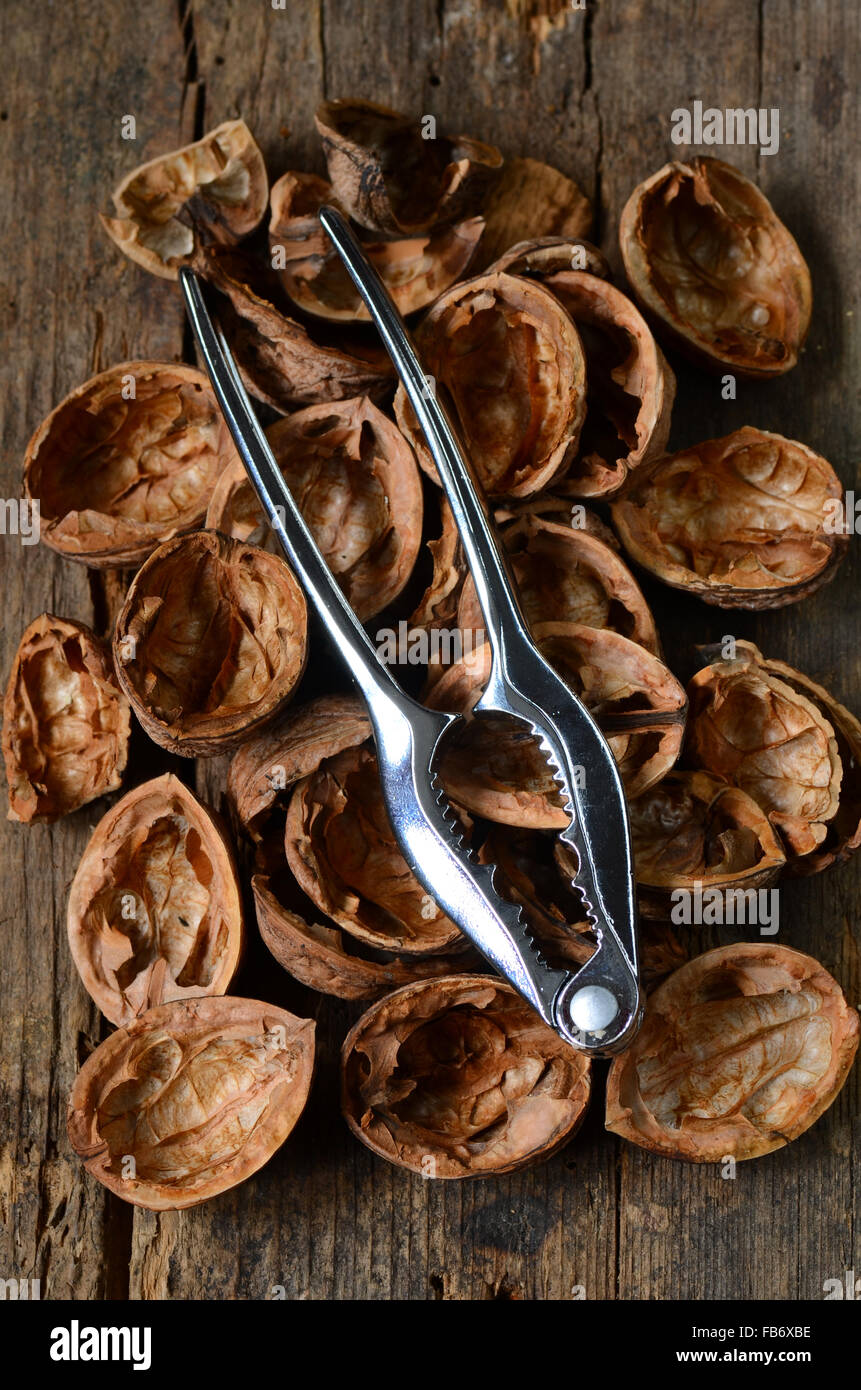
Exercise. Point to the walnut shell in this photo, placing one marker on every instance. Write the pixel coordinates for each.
(510, 361)
(65, 721)
(567, 574)
(414, 269)
(393, 179)
(155, 909)
(768, 738)
(459, 1078)
(630, 387)
(531, 200)
(741, 1051)
(695, 831)
(495, 769)
(199, 1093)
(216, 189)
(742, 522)
(261, 781)
(116, 476)
(541, 257)
(355, 479)
(279, 360)
(710, 260)
(211, 642)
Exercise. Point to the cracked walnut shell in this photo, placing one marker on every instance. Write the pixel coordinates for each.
(741, 1051)
(155, 908)
(213, 190)
(355, 480)
(711, 261)
(742, 522)
(211, 642)
(128, 460)
(190, 1099)
(65, 721)
(508, 359)
(459, 1078)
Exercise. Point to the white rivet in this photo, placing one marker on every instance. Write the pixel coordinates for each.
(593, 1008)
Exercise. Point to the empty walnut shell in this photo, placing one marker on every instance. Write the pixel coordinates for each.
(155, 909)
(190, 1099)
(742, 522)
(709, 258)
(215, 189)
(355, 479)
(530, 200)
(694, 831)
(391, 178)
(843, 833)
(510, 361)
(323, 955)
(459, 1078)
(567, 574)
(211, 642)
(126, 461)
(496, 770)
(630, 386)
(768, 738)
(414, 269)
(65, 721)
(545, 256)
(741, 1051)
(279, 360)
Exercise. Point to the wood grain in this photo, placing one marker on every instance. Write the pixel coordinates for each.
(591, 92)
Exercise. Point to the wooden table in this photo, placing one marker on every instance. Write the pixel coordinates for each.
(592, 93)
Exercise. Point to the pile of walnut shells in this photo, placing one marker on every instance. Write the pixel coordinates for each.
(563, 398)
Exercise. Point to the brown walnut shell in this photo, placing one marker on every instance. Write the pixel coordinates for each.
(741, 1051)
(414, 269)
(750, 726)
(216, 189)
(548, 255)
(495, 768)
(694, 831)
(459, 1078)
(567, 574)
(115, 477)
(199, 1093)
(742, 522)
(630, 387)
(155, 908)
(282, 362)
(709, 258)
(391, 179)
(323, 955)
(355, 480)
(211, 642)
(65, 721)
(510, 361)
(531, 200)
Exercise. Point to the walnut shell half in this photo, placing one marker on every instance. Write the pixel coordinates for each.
(215, 189)
(354, 477)
(495, 769)
(742, 1050)
(414, 269)
(190, 1099)
(750, 726)
(695, 831)
(459, 1078)
(392, 178)
(65, 721)
(127, 460)
(155, 909)
(508, 358)
(709, 258)
(531, 200)
(211, 642)
(742, 522)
